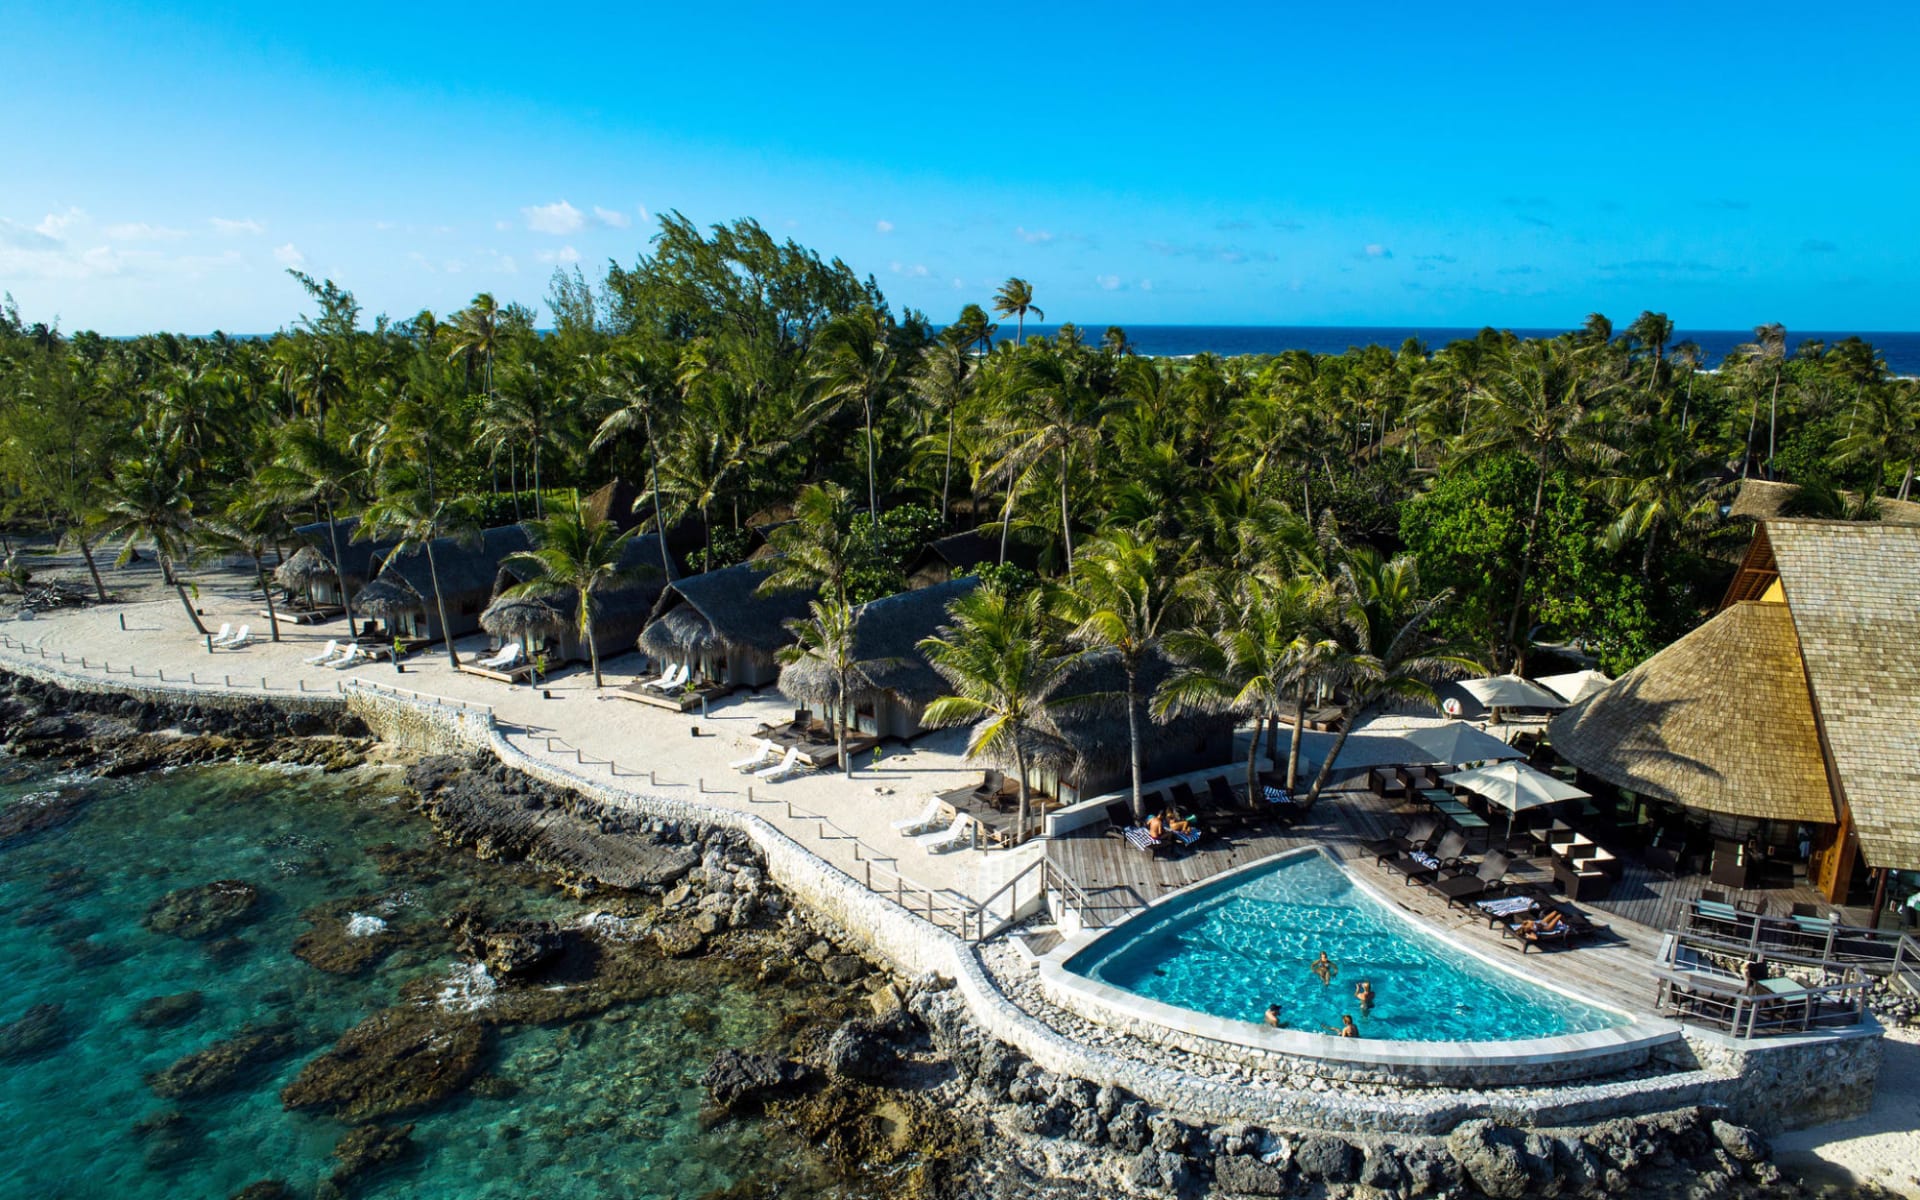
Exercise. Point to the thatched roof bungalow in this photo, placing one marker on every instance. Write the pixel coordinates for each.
(1088, 751)
(312, 565)
(721, 626)
(896, 681)
(1765, 499)
(620, 612)
(466, 574)
(1798, 703)
(959, 553)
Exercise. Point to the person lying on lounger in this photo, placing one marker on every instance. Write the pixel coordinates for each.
(1325, 968)
(1363, 992)
(1176, 822)
(1156, 827)
(1531, 928)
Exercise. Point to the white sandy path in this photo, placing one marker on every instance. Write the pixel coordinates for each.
(1881, 1148)
(641, 739)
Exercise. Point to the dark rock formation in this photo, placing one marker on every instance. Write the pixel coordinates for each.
(37, 813)
(226, 1064)
(398, 1060)
(41, 1029)
(161, 1012)
(169, 1137)
(265, 1189)
(742, 1081)
(510, 949)
(369, 1147)
(204, 911)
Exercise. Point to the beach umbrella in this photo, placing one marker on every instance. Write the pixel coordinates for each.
(1514, 786)
(1456, 742)
(1575, 686)
(524, 619)
(1510, 691)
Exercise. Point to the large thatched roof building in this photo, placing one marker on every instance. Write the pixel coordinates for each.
(958, 553)
(1765, 499)
(896, 683)
(1088, 751)
(1798, 703)
(722, 627)
(360, 561)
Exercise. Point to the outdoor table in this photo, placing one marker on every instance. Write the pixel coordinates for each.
(1436, 797)
(1466, 821)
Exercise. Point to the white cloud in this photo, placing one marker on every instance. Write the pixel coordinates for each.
(1376, 250)
(140, 231)
(382, 226)
(1146, 285)
(914, 270)
(288, 255)
(612, 218)
(565, 255)
(883, 226)
(959, 284)
(230, 227)
(558, 217)
(1108, 283)
(54, 225)
(503, 226)
(1032, 237)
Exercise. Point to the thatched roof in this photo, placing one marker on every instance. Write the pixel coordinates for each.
(387, 598)
(526, 616)
(302, 567)
(972, 548)
(1854, 594)
(1092, 736)
(886, 636)
(1762, 499)
(464, 570)
(722, 611)
(614, 502)
(1720, 720)
(641, 556)
(361, 559)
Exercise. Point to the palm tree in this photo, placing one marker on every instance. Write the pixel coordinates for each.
(816, 549)
(1015, 299)
(309, 469)
(408, 510)
(624, 378)
(1653, 330)
(1884, 428)
(1121, 596)
(855, 362)
(578, 550)
(1380, 646)
(251, 523)
(147, 499)
(998, 655)
(1766, 356)
(826, 638)
(1661, 480)
(1052, 409)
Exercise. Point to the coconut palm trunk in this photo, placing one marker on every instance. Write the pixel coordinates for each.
(93, 568)
(1299, 730)
(180, 590)
(440, 605)
(339, 572)
(266, 589)
(1135, 701)
(1253, 758)
(1526, 565)
(586, 631)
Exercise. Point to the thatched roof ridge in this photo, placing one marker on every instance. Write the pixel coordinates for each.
(730, 610)
(362, 559)
(641, 555)
(387, 598)
(527, 616)
(1854, 593)
(464, 570)
(1091, 733)
(1765, 499)
(1719, 720)
(972, 548)
(886, 636)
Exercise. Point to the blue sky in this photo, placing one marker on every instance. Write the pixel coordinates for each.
(1328, 164)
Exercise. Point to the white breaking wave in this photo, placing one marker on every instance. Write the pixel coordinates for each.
(468, 988)
(362, 925)
(613, 929)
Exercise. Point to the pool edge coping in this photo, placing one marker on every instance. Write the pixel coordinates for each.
(1641, 1032)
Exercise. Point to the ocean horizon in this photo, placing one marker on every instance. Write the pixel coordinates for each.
(1900, 349)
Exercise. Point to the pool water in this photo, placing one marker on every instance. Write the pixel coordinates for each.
(1232, 948)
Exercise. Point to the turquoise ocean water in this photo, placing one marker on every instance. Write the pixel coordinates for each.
(603, 1107)
(1232, 950)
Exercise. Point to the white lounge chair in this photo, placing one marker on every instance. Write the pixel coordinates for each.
(352, 658)
(661, 678)
(226, 632)
(763, 755)
(333, 648)
(954, 837)
(675, 677)
(243, 638)
(788, 764)
(926, 822)
(506, 660)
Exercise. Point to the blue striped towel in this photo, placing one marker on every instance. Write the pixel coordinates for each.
(1426, 860)
(1187, 836)
(1138, 837)
(1278, 795)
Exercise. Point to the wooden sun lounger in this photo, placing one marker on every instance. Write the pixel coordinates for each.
(520, 674)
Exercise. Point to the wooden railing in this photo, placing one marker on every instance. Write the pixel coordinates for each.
(1906, 964)
(1813, 941)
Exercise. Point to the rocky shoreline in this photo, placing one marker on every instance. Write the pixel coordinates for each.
(888, 1075)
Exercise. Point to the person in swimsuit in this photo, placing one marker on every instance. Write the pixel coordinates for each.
(1273, 1015)
(1363, 992)
(1155, 827)
(1176, 822)
(1347, 1027)
(1324, 967)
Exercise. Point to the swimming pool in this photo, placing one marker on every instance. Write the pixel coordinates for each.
(1231, 948)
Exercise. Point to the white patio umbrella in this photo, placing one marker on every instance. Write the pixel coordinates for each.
(1510, 691)
(1515, 786)
(1456, 742)
(1574, 686)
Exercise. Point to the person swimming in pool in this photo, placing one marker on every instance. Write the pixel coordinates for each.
(1273, 1015)
(1325, 968)
(1363, 992)
(1347, 1027)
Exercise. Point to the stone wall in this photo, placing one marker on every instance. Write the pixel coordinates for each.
(1793, 1082)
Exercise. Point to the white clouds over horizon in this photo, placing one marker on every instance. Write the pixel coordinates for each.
(245, 225)
(288, 255)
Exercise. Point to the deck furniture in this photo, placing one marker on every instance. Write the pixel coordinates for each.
(333, 648)
(226, 631)
(954, 837)
(1462, 889)
(925, 821)
(764, 754)
(788, 764)
(1138, 837)
(1414, 836)
(1420, 865)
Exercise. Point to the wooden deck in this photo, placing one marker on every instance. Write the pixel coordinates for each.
(1614, 967)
